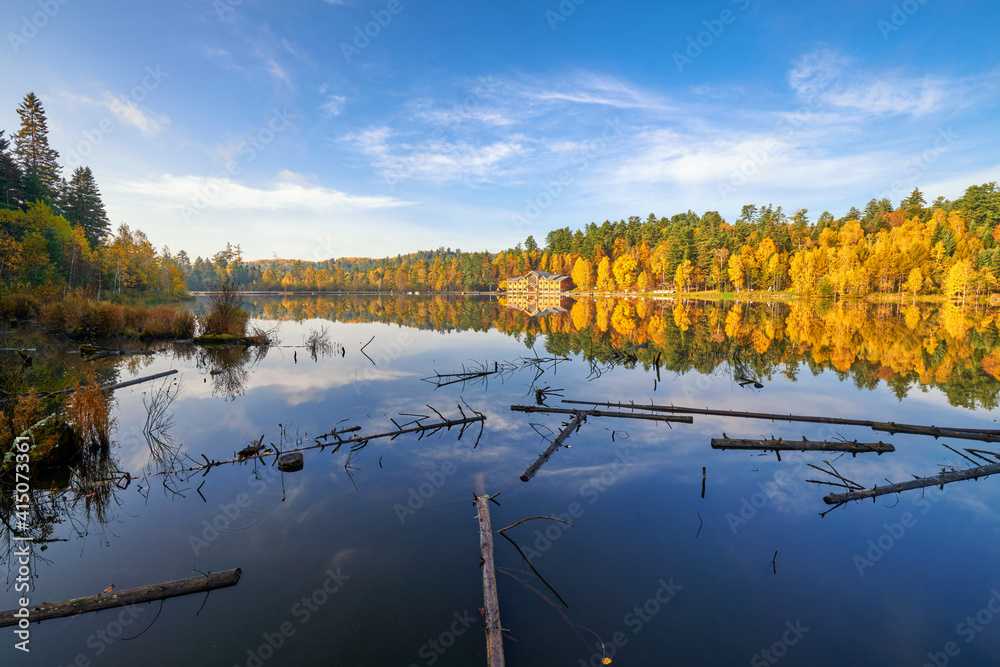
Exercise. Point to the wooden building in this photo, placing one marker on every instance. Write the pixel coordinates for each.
(539, 282)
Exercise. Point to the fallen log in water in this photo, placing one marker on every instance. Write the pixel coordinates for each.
(988, 435)
(356, 442)
(936, 432)
(95, 351)
(802, 445)
(105, 388)
(599, 413)
(129, 596)
(946, 477)
(573, 424)
(494, 631)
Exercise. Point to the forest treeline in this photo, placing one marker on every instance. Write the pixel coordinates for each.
(948, 247)
(953, 347)
(55, 234)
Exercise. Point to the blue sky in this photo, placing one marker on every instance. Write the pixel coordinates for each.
(286, 128)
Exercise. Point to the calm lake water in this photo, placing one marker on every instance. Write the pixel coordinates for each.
(372, 558)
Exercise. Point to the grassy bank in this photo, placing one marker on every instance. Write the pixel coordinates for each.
(81, 317)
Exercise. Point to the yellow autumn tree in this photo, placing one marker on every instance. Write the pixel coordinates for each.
(624, 269)
(605, 281)
(583, 274)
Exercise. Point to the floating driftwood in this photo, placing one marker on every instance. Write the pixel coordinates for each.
(482, 371)
(573, 424)
(802, 445)
(258, 451)
(129, 596)
(96, 351)
(946, 477)
(106, 388)
(987, 435)
(494, 631)
(938, 432)
(599, 413)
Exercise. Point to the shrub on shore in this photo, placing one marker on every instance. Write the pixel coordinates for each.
(19, 305)
(77, 316)
(226, 316)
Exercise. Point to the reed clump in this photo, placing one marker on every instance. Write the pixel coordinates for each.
(80, 317)
(27, 417)
(19, 305)
(168, 322)
(88, 411)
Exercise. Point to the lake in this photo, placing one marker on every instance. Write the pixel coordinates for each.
(371, 556)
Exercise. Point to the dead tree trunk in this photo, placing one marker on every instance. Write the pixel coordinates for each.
(129, 596)
(946, 477)
(949, 432)
(573, 424)
(105, 388)
(802, 445)
(494, 631)
(937, 432)
(600, 413)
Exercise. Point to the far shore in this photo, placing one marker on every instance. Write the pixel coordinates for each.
(710, 295)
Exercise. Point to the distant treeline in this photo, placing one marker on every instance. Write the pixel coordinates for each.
(948, 247)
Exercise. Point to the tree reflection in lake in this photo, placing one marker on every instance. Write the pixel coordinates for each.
(906, 345)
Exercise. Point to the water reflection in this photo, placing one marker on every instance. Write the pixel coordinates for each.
(951, 347)
(643, 517)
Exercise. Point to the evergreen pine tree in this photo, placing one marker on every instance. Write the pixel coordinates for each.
(10, 177)
(83, 206)
(34, 156)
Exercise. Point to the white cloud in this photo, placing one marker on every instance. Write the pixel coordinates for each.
(334, 104)
(127, 111)
(435, 161)
(290, 192)
(595, 89)
(837, 80)
(124, 109)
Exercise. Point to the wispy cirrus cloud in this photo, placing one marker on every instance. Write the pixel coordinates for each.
(288, 191)
(842, 83)
(437, 161)
(590, 88)
(148, 123)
